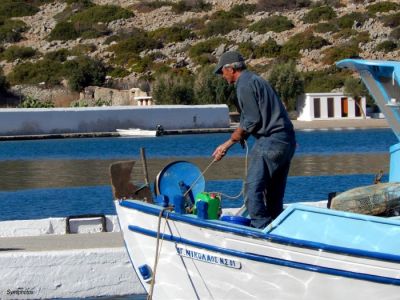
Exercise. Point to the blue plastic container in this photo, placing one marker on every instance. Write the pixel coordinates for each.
(236, 220)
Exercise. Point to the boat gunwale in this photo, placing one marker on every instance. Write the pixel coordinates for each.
(256, 233)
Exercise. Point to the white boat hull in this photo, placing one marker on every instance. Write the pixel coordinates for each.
(135, 132)
(206, 263)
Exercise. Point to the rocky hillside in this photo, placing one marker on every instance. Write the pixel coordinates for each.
(373, 32)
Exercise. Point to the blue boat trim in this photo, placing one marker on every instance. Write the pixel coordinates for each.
(243, 231)
(268, 259)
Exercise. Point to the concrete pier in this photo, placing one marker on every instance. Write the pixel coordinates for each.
(38, 265)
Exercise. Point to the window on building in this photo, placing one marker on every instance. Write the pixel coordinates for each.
(345, 107)
(331, 107)
(357, 103)
(317, 108)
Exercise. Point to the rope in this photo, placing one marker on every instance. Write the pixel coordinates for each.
(158, 250)
(197, 179)
(245, 176)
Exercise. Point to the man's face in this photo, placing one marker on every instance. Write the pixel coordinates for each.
(228, 73)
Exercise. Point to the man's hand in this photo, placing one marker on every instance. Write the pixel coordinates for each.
(219, 152)
(222, 149)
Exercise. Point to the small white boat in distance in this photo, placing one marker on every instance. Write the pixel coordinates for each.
(137, 132)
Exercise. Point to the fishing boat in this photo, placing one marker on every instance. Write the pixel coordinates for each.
(184, 246)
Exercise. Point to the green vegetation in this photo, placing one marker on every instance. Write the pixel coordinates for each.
(287, 82)
(347, 21)
(88, 23)
(304, 40)
(10, 30)
(275, 23)
(384, 6)
(395, 34)
(326, 27)
(173, 88)
(201, 53)
(130, 45)
(211, 89)
(80, 72)
(14, 52)
(17, 8)
(30, 102)
(223, 22)
(84, 71)
(317, 14)
(190, 5)
(58, 55)
(334, 54)
(176, 33)
(177, 87)
(323, 81)
(386, 46)
(392, 20)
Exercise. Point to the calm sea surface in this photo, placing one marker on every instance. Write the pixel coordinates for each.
(55, 178)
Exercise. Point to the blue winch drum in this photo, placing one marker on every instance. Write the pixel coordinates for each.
(236, 220)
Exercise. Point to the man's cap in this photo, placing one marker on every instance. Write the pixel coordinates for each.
(227, 58)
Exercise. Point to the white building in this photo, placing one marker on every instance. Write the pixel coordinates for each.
(325, 106)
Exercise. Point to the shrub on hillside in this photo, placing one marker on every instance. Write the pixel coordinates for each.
(173, 88)
(191, 5)
(201, 53)
(347, 21)
(223, 22)
(64, 31)
(392, 20)
(334, 54)
(47, 71)
(268, 49)
(302, 41)
(17, 8)
(88, 23)
(243, 9)
(84, 71)
(247, 49)
(323, 81)
(361, 38)
(211, 89)
(14, 52)
(395, 34)
(129, 46)
(10, 30)
(384, 6)
(386, 46)
(326, 27)
(279, 5)
(58, 55)
(287, 82)
(173, 34)
(275, 23)
(319, 13)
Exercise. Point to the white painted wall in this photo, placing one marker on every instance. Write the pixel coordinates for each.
(305, 106)
(25, 121)
(20, 228)
(78, 273)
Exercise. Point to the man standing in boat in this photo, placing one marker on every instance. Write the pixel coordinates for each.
(263, 116)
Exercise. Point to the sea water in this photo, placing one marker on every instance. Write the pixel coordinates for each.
(37, 203)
